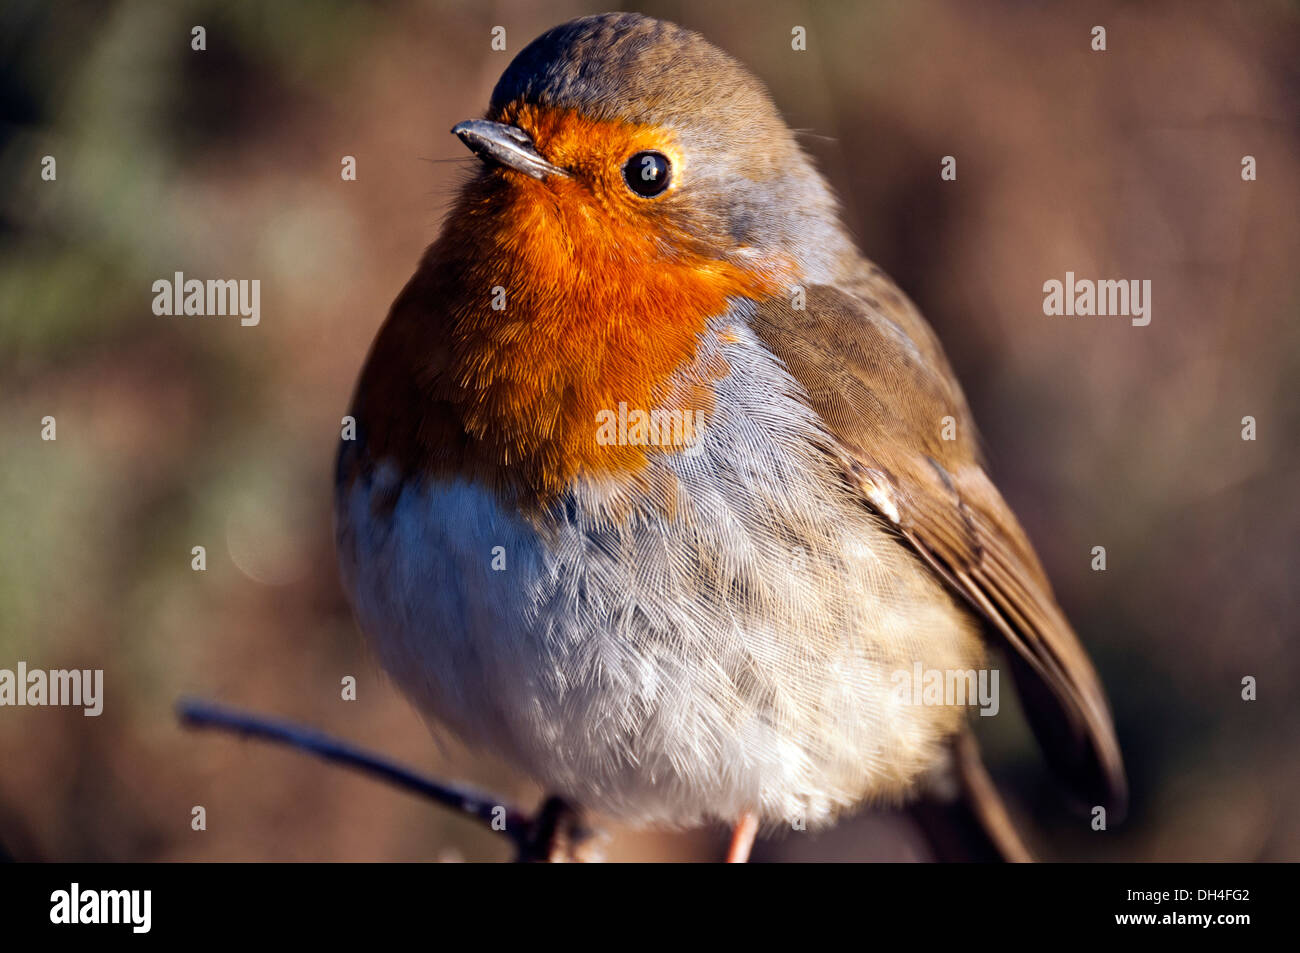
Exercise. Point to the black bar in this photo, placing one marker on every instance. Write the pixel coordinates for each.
(610, 904)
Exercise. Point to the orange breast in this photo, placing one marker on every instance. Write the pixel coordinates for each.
(602, 300)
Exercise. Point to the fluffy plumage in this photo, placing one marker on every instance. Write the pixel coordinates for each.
(680, 632)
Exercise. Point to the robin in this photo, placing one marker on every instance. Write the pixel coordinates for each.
(662, 492)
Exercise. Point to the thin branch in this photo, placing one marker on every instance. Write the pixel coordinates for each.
(535, 837)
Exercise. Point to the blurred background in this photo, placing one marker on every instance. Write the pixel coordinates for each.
(177, 432)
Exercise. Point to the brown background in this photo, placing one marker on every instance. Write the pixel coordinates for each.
(174, 432)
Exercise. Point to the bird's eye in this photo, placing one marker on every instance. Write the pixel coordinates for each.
(648, 174)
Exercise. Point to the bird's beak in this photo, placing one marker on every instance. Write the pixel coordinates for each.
(505, 145)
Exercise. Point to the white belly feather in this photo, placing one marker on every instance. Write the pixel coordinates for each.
(737, 656)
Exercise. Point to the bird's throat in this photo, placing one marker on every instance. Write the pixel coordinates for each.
(534, 318)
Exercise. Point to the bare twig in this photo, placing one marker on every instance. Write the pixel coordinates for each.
(553, 834)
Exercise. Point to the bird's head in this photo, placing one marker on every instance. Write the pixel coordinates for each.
(636, 184)
(635, 134)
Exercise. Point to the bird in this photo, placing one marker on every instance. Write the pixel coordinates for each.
(658, 484)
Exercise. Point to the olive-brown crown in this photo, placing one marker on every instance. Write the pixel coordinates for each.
(749, 186)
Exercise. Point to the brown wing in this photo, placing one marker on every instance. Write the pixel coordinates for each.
(874, 371)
